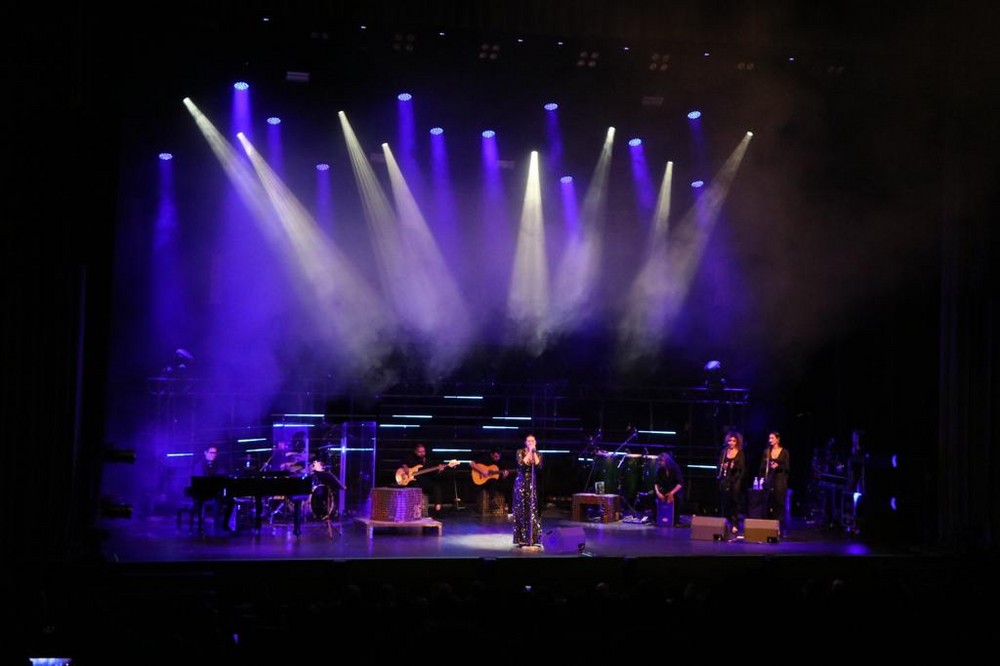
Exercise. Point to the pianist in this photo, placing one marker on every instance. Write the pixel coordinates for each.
(221, 505)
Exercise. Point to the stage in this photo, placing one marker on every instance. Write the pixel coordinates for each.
(237, 597)
(463, 533)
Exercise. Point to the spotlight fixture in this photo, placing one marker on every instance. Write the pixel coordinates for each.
(635, 143)
(241, 85)
(659, 62)
(566, 180)
(588, 58)
(714, 378)
(694, 115)
(404, 97)
(551, 106)
(165, 157)
(322, 166)
(436, 131)
(274, 120)
(695, 184)
(404, 43)
(489, 134)
(489, 52)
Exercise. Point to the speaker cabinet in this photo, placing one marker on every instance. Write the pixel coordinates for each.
(761, 530)
(708, 528)
(564, 540)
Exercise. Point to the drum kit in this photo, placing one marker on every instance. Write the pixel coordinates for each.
(621, 472)
(322, 504)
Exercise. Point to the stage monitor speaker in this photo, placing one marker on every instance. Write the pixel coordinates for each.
(564, 540)
(708, 528)
(761, 530)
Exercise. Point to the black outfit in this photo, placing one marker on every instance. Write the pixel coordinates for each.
(222, 505)
(669, 477)
(731, 474)
(776, 484)
(429, 483)
(526, 512)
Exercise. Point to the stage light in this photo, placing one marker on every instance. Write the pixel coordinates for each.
(404, 43)
(697, 183)
(588, 58)
(551, 106)
(322, 166)
(659, 62)
(714, 378)
(274, 120)
(635, 142)
(436, 131)
(404, 97)
(489, 134)
(241, 85)
(566, 179)
(165, 157)
(489, 52)
(694, 115)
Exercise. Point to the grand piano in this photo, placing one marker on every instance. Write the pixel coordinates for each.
(258, 486)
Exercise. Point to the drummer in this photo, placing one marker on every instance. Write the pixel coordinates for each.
(285, 459)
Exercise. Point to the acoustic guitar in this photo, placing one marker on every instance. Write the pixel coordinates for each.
(403, 478)
(491, 472)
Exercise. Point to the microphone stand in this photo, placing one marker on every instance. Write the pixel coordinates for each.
(629, 506)
(592, 449)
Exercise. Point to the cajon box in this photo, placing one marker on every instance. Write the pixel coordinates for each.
(761, 530)
(708, 528)
(664, 514)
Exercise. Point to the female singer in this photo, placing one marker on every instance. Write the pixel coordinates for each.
(527, 517)
(732, 467)
(775, 468)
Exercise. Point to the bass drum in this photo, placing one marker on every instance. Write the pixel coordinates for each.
(322, 502)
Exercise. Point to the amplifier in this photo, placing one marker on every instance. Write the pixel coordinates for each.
(708, 528)
(761, 530)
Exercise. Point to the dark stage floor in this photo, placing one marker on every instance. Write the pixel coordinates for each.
(273, 597)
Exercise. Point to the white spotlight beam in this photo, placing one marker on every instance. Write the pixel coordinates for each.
(432, 289)
(340, 297)
(665, 285)
(528, 300)
(578, 271)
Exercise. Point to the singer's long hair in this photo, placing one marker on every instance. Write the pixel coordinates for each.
(739, 440)
(725, 447)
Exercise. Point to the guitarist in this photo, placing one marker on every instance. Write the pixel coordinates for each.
(415, 462)
(492, 476)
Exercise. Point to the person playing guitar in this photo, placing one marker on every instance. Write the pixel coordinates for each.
(488, 469)
(415, 469)
(490, 474)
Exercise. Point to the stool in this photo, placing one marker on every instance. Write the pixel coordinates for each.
(498, 507)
